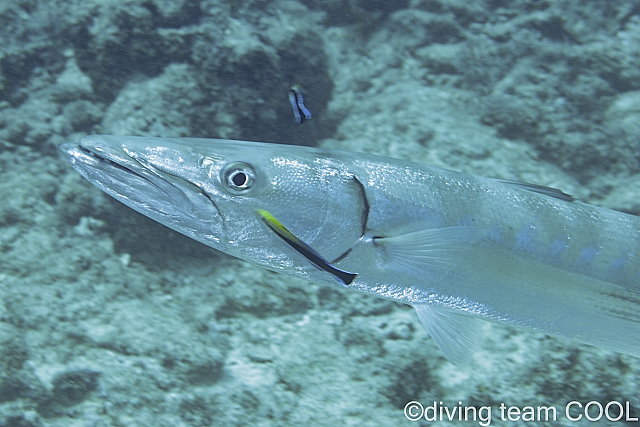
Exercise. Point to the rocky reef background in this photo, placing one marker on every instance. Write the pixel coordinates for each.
(109, 319)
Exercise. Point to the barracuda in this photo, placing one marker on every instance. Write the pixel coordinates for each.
(458, 248)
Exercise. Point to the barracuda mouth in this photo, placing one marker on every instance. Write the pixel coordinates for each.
(104, 159)
(122, 178)
(168, 199)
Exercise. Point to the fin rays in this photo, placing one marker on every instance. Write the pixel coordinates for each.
(417, 252)
(454, 333)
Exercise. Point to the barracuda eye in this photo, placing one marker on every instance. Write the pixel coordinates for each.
(238, 178)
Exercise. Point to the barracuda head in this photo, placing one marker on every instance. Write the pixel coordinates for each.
(217, 192)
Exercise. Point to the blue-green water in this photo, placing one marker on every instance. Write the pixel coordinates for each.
(108, 319)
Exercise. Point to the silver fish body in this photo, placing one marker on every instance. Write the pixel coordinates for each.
(457, 247)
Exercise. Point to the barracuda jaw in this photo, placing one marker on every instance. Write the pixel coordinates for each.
(168, 199)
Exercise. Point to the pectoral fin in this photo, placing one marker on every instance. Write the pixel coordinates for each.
(419, 252)
(454, 333)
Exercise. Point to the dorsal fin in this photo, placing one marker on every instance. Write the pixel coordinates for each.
(541, 189)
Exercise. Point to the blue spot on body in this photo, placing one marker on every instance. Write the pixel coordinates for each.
(495, 234)
(524, 240)
(587, 255)
(557, 248)
(618, 263)
(617, 272)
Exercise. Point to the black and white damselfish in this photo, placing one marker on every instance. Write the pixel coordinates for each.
(296, 99)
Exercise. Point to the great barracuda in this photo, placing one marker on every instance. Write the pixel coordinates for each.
(457, 247)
